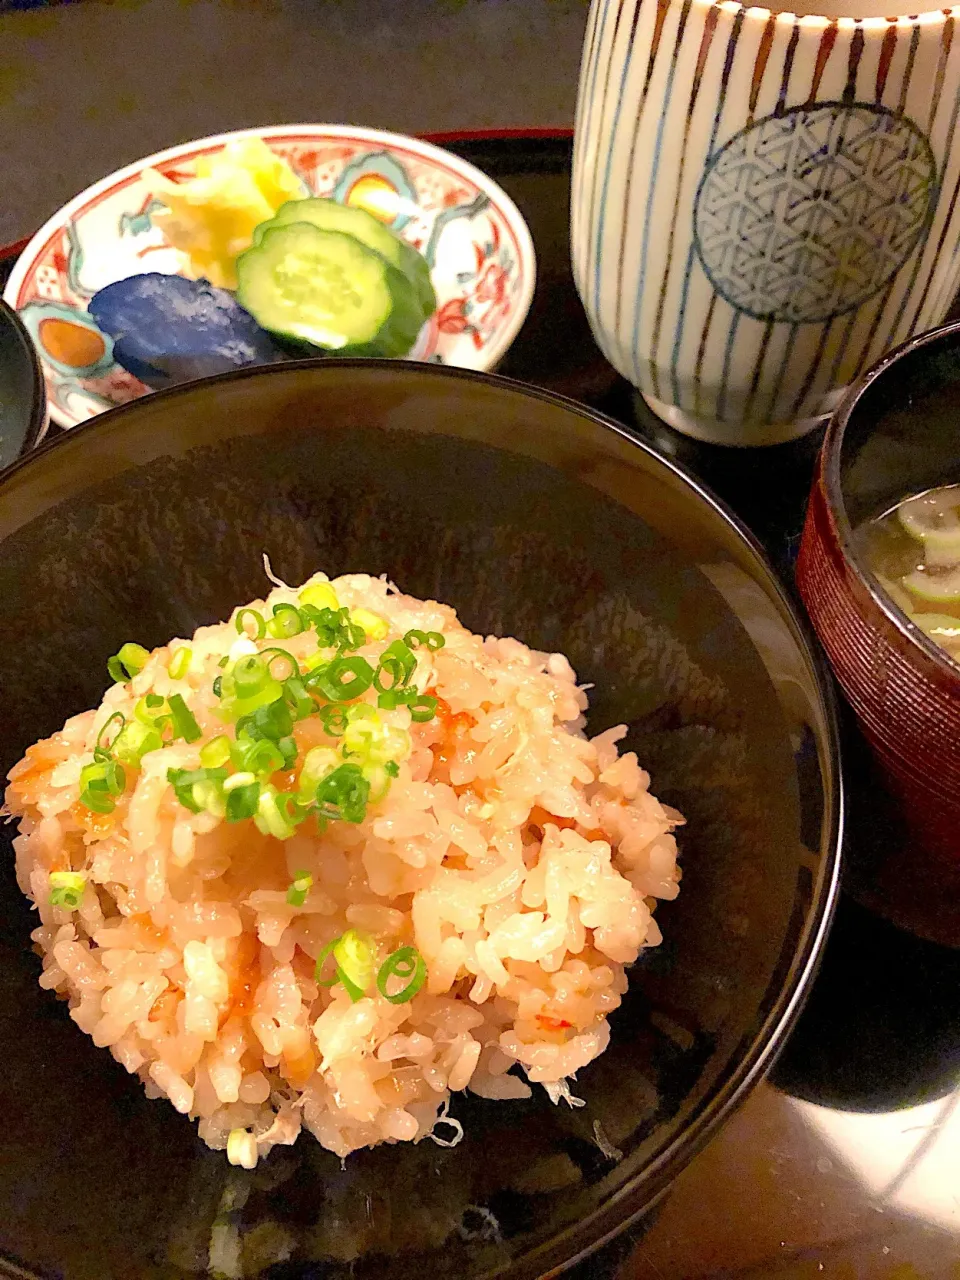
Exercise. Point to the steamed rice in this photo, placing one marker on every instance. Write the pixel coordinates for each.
(522, 859)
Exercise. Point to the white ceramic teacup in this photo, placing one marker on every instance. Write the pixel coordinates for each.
(763, 203)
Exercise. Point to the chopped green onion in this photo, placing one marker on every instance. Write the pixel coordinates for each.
(297, 699)
(423, 709)
(180, 663)
(223, 661)
(184, 723)
(392, 769)
(334, 720)
(375, 626)
(100, 783)
(239, 780)
(128, 662)
(135, 741)
(398, 662)
(379, 781)
(394, 698)
(432, 639)
(317, 763)
(344, 679)
(352, 635)
(260, 627)
(234, 708)
(218, 687)
(287, 621)
(269, 818)
(318, 967)
(273, 721)
(256, 755)
(355, 953)
(209, 796)
(328, 624)
(103, 749)
(66, 889)
(361, 711)
(242, 799)
(215, 753)
(362, 737)
(250, 675)
(288, 750)
(407, 962)
(302, 884)
(294, 811)
(344, 793)
(270, 656)
(320, 595)
(152, 710)
(184, 783)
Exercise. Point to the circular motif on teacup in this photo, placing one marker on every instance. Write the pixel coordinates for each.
(808, 213)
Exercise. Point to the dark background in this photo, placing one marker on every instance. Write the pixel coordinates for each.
(846, 1166)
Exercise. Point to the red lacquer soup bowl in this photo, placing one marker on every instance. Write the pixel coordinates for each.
(896, 434)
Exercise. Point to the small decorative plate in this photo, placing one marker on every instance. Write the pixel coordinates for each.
(479, 249)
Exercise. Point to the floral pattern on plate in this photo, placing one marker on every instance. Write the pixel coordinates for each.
(475, 240)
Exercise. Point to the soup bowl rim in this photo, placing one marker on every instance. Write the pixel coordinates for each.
(842, 529)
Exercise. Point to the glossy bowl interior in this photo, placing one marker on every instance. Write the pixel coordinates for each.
(534, 518)
(895, 435)
(23, 408)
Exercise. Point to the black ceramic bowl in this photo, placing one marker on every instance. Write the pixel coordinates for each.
(23, 397)
(534, 518)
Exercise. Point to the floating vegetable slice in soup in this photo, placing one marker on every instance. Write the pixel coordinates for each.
(914, 552)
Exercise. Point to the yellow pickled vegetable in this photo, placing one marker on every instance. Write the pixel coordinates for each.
(211, 218)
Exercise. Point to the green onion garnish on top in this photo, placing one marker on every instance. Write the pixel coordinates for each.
(405, 963)
(344, 794)
(334, 720)
(243, 799)
(127, 662)
(107, 737)
(287, 621)
(354, 954)
(302, 884)
(392, 769)
(100, 783)
(189, 786)
(281, 664)
(397, 664)
(256, 755)
(184, 723)
(277, 815)
(134, 741)
(215, 753)
(423, 708)
(343, 680)
(66, 889)
(431, 639)
(257, 621)
(180, 663)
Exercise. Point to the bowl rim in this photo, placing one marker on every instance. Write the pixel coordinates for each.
(577, 1240)
(428, 151)
(39, 420)
(836, 507)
